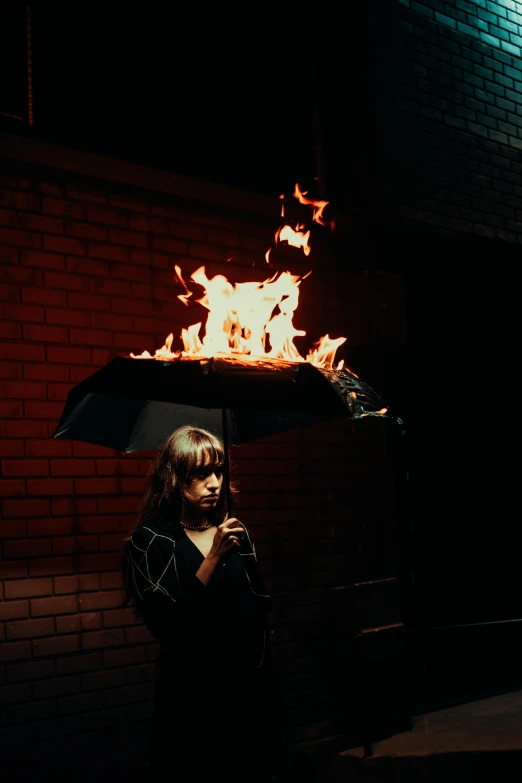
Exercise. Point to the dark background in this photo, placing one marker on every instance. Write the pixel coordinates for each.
(265, 99)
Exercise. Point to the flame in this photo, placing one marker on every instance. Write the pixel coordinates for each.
(252, 319)
(318, 206)
(294, 238)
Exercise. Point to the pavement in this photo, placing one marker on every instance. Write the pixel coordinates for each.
(482, 737)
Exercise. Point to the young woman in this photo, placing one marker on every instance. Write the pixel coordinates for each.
(192, 576)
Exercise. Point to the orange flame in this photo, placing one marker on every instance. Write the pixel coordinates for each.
(255, 318)
(318, 206)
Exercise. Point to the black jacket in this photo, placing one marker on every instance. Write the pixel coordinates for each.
(187, 617)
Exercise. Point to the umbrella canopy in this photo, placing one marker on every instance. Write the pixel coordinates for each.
(133, 404)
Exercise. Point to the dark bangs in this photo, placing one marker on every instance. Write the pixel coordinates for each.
(198, 450)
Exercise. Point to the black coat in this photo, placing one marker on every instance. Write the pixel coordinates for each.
(215, 670)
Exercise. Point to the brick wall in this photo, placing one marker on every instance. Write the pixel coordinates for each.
(86, 270)
(450, 76)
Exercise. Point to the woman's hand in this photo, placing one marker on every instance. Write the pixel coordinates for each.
(226, 539)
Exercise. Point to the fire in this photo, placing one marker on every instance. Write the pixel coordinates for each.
(253, 319)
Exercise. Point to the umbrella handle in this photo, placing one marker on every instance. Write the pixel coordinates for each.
(226, 465)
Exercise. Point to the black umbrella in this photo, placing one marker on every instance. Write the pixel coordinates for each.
(134, 404)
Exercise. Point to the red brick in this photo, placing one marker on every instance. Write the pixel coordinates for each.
(12, 370)
(88, 582)
(57, 645)
(113, 322)
(116, 467)
(9, 293)
(10, 331)
(189, 231)
(25, 467)
(51, 566)
(158, 226)
(117, 617)
(43, 260)
(45, 334)
(138, 635)
(44, 296)
(110, 252)
(109, 217)
(170, 245)
(118, 505)
(23, 390)
(64, 584)
(67, 506)
(50, 486)
(145, 325)
(10, 236)
(90, 337)
(47, 225)
(110, 286)
(113, 579)
(53, 606)
(34, 670)
(98, 523)
(25, 508)
(47, 448)
(66, 280)
(133, 306)
(28, 588)
(101, 356)
(131, 486)
(107, 599)
(61, 208)
(12, 488)
(11, 448)
(28, 353)
(11, 410)
(58, 686)
(124, 657)
(68, 545)
(33, 547)
(67, 317)
(28, 629)
(43, 410)
(15, 694)
(70, 467)
(126, 202)
(22, 201)
(19, 312)
(134, 343)
(104, 638)
(14, 651)
(90, 621)
(86, 231)
(88, 266)
(141, 291)
(130, 238)
(87, 194)
(68, 355)
(103, 680)
(9, 218)
(46, 372)
(68, 624)
(98, 562)
(58, 391)
(79, 663)
(96, 486)
(67, 245)
(13, 610)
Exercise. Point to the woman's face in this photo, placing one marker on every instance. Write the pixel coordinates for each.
(203, 488)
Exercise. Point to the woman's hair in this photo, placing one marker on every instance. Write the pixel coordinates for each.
(186, 451)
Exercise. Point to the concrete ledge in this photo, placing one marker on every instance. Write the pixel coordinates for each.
(45, 153)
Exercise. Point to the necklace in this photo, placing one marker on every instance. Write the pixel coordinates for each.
(201, 528)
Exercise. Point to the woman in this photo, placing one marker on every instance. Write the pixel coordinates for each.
(191, 574)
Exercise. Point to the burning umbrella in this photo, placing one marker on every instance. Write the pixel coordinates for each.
(243, 378)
